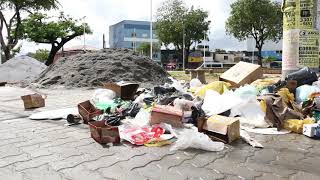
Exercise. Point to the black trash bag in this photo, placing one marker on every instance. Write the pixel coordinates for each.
(196, 113)
(303, 76)
(275, 87)
(166, 100)
(149, 100)
(187, 97)
(132, 110)
(158, 90)
(113, 119)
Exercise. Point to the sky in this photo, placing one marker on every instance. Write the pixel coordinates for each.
(100, 14)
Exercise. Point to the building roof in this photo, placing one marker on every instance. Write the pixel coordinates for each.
(132, 22)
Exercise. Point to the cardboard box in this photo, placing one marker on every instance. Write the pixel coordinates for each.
(33, 101)
(166, 114)
(125, 91)
(310, 129)
(242, 73)
(221, 128)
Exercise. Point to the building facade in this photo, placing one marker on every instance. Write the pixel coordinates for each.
(130, 34)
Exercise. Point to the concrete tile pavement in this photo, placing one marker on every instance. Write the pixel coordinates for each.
(31, 150)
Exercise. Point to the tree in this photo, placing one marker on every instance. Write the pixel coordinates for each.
(41, 29)
(174, 20)
(11, 20)
(40, 55)
(145, 48)
(259, 19)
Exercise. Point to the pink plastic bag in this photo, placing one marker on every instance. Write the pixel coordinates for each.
(140, 136)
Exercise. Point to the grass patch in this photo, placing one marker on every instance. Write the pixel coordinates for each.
(181, 75)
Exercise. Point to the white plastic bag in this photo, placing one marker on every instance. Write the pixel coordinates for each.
(304, 91)
(182, 104)
(250, 112)
(190, 138)
(176, 84)
(195, 83)
(214, 103)
(142, 118)
(247, 90)
(103, 96)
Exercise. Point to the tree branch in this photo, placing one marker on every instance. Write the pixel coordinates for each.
(3, 19)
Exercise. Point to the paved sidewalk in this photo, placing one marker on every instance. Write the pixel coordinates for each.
(45, 150)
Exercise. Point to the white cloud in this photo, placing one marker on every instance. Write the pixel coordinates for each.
(100, 14)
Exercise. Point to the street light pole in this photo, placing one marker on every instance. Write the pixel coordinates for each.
(204, 47)
(183, 49)
(151, 33)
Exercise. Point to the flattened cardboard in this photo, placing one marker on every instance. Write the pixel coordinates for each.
(242, 73)
(222, 128)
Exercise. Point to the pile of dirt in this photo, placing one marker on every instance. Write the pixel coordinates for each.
(21, 68)
(109, 65)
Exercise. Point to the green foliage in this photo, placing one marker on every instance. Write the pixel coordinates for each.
(41, 28)
(145, 48)
(40, 55)
(174, 18)
(269, 59)
(56, 31)
(260, 19)
(10, 21)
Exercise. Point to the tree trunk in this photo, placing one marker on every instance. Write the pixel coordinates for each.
(53, 52)
(186, 58)
(7, 54)
(259, 55)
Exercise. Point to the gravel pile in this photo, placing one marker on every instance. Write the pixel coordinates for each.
(109, 65)
(21, 68)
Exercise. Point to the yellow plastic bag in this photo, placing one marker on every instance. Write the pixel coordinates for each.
(218, 86)
(296, 125)
(287, 97)
(263, 83)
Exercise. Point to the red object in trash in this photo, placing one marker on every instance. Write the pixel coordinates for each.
(103, 133)
(146, 135)
(88, 111)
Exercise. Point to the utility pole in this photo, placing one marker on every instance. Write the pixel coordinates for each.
(104, 41)
(204, 47)
(151, 33)
(183, 49)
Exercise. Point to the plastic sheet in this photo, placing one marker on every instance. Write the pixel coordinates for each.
(247, 90)
(142, 118)
(266, 131)
(102, 96)
(246, 137)
(303, 92)
(218, 86)
(214, 103)
(190, 138)
(250, 112)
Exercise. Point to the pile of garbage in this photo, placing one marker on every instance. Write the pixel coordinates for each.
(108, 65)
(203, 116)
(21, 68)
